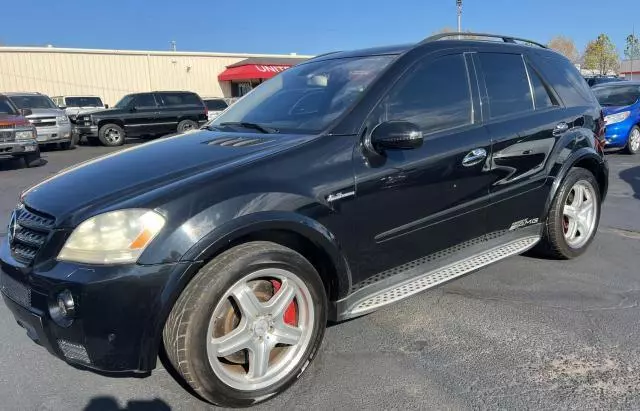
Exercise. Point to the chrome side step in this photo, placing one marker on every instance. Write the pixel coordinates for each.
(398, 292)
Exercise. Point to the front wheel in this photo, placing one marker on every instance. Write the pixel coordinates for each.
(633, 144)
(248, 324)
(111, 135)
(574, 216)
(187, 125)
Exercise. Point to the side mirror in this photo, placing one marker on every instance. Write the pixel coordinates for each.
(132, 109)
(396, 135)
(25, 112)
(62, 107)
(106, 106)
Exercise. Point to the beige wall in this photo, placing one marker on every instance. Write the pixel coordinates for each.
(111, 74)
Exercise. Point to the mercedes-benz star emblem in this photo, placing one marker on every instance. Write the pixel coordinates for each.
(13, 226)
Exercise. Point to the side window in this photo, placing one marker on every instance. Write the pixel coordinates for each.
(191, 99)
(543, 98)
(145, 100)
(435, 96)
(173, 99)
(507, 83)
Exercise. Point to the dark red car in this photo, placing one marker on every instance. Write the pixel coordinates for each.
(17, 134)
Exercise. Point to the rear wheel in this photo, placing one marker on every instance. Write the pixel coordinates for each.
(33, 160)
(633, 144)
(574, 216)
(111, 135)
(248, 324)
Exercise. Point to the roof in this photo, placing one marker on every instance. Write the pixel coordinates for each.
(22, 93)
(373, 51)
(270, 61)
(143, 52)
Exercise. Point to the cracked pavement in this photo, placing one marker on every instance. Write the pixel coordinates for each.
(522, 333)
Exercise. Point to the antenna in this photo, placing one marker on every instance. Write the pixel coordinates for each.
(173, 45)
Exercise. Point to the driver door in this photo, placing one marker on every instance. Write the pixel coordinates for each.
(413, 203)
(143, 116)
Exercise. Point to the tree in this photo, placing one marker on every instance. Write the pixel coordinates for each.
(601, 55)
(632, 50)
(566, 47)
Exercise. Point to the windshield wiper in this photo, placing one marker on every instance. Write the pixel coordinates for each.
(254, 126)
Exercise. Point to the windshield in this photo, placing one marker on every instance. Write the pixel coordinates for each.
(84, 102)
(31, 102)
(306, 98)
(617, 95)
(6, 107)
(125, 101)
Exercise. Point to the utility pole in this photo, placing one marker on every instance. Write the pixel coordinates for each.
(173, 45)
(459, 6)
(632, 54)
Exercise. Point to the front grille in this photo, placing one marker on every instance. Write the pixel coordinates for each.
(44, 122)
(7, 136)
(28, 232)
(73, 351)
(18, 292)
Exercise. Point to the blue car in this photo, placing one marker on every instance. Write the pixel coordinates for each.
(621, 106)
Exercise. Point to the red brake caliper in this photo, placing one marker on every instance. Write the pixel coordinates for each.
(291, 312)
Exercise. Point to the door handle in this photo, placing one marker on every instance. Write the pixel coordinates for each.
(560, 128)
(474, 157)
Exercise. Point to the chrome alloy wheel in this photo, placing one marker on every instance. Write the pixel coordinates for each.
(112, 135)
(260, 329)
(634, 140)
(579, 214)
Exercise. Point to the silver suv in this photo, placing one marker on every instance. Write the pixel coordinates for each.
(52, 124)
(75, 105)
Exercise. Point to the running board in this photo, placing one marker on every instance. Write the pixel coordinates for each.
(400, 291)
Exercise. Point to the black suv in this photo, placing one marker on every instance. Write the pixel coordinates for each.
(143, 114)
(344, 184)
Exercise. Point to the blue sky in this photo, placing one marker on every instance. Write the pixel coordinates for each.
(302, 26)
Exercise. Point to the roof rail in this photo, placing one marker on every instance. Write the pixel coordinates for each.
(506, 39)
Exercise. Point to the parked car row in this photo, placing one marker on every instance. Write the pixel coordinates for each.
(66, 120)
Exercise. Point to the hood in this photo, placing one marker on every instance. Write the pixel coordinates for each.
(45, 112)
(123, 175)
(109, 112)
(13, 120)
(74, 111)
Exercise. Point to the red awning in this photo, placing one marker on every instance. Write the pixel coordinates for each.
(251, 71)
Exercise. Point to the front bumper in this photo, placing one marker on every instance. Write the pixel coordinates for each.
(119, 314)
(617, 134)
(88, 131)
(54, 134)
(18, 148)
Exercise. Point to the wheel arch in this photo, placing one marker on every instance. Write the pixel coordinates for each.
(586, 158)
(117, 122)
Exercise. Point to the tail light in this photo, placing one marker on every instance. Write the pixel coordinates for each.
(600, 133)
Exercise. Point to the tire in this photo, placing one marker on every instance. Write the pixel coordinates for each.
(33, 160)
(189, 330)
(111, 135)
(633, 144)
(559, 225)
(186, 125)
(71, 144)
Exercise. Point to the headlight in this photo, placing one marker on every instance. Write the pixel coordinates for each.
(25, 135)
(62, 119)
(116, 237)
(617, 118)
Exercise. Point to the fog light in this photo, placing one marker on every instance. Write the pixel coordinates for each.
(63, 309)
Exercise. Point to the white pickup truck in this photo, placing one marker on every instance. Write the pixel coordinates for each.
(74, 105)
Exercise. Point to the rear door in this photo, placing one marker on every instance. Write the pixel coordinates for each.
(178, 106)
(524, 118)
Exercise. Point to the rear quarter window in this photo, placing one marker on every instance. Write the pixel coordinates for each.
(181, 99)
(565, 79)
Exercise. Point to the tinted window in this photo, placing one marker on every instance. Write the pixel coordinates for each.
(32, 101)
(435, 96)
(180, 99)
(507, 83)
(145, 100)
(6, 107)
(84, 102)
(541, 95)
(215, 105)
(565, 79)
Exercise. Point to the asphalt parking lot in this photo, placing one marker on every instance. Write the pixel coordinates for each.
(524, 333)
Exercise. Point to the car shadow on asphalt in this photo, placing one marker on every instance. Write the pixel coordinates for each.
(111, 404)
(632, 177)
(17, 163)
